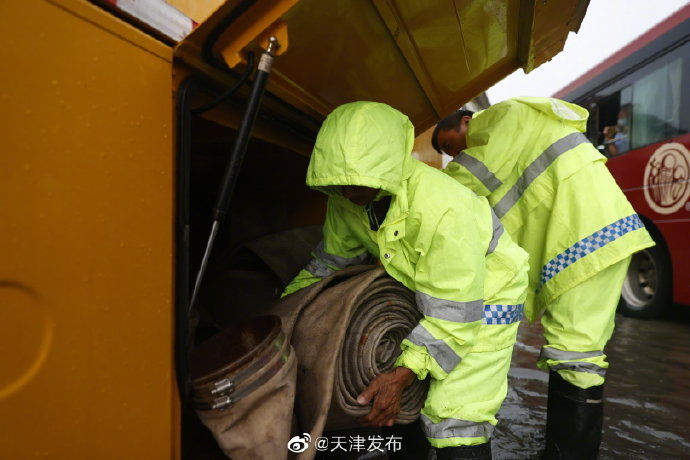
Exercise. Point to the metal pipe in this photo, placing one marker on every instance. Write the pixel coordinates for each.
(204, 263)
(239, 150)
(237, 157)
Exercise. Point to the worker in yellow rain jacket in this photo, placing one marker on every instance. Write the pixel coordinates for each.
(441, 241)
(554, 195)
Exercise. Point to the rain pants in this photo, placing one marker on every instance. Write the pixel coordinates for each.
(553, 193)
(441, 241)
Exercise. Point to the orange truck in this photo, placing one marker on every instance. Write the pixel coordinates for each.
(108, 175)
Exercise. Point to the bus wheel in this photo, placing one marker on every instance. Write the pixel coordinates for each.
(647, 287)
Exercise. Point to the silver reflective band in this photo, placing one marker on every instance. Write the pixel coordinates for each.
(478, 170)
(579, 366)
(538, 166)
(497, 232)
(459, 312)
(338, 262)
(560, 355)
(455, 428)
(318, 268)
(438, 349)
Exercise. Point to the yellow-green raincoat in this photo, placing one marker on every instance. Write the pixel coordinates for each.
(440, 240)
(553, 193)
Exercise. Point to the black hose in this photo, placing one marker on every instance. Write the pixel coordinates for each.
(230, 91)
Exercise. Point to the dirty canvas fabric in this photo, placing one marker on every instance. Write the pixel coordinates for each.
(347, 329)
(344, 331)
(244, 377)
(252, 275)
(258, 426)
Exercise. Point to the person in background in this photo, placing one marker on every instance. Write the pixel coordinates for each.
(441, 241)
(554, 195)
(617, 138)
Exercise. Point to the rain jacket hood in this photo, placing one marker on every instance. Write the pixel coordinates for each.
(568, 114)
(362, 143)
(489, 129)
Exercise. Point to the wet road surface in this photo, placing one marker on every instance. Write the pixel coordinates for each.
(647, 393)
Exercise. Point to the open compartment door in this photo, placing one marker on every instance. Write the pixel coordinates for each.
(423, 58)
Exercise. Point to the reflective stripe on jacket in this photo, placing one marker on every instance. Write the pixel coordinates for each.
(552, 191)
(438, 238)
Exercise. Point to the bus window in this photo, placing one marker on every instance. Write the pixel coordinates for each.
(614, 116)
(656, 103)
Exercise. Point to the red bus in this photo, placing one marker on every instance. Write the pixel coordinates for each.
(638, 102)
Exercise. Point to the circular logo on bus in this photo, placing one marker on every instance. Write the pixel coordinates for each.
(666, 185)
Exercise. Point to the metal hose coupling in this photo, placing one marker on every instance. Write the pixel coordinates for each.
(237, 362)
(268, 55)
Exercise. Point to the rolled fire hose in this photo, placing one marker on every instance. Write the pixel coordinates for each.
(384, 316)
(345, 330)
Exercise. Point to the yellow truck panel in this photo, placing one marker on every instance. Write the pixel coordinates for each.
(86, 278)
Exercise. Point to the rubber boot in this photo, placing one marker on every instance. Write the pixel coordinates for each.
(476, 452)
(573, 421)
(414, 443)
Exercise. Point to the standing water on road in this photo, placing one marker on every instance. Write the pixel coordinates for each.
(647, 392)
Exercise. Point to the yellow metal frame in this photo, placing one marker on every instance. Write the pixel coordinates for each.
(256, 25)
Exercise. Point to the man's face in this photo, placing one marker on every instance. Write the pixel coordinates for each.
(359, 195)
(453, 142)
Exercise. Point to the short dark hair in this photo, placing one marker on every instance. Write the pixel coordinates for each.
(452, 121)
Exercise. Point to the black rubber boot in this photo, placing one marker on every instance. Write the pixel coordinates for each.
(573, 420)
(476, 452)
(414, 443)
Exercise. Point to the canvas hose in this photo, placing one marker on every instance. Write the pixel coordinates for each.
(346, 330)
(242, 377)
(318, 348)
(384, 316)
